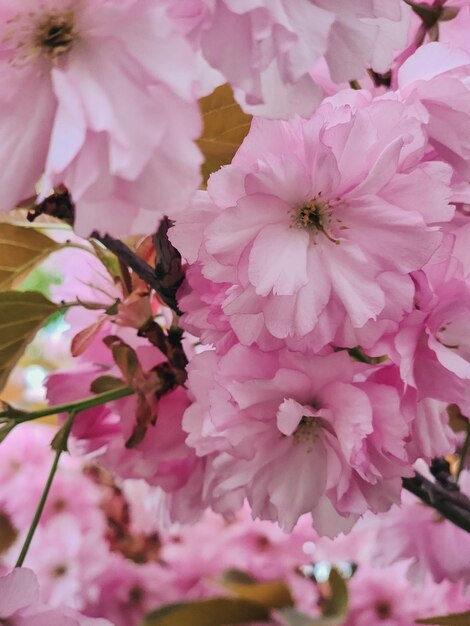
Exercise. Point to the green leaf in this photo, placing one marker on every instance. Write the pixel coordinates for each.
(225, 127)
(20, 250)
(22, 314)
(456, 619)
(40, 279)
(213, 612)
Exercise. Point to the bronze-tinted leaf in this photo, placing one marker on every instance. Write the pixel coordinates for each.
(20, 250)
(337, 604)
(335, 608)
(428, 14)
(124, 356)
(83, 339)
(225, 127)
(103, 384)
(275, 595)
(292, 617)
(8, 533)
(457, 421)
(213, 612)
(456, 619)
(22, 314)
(234, 575)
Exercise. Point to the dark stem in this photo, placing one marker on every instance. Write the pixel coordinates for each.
(130, 258)
(160, 279)
(453, 505)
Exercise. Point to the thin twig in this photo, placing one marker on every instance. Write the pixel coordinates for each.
(131, 259)
(166, 277)
(75, 406)
(453, 505)
(45, 492)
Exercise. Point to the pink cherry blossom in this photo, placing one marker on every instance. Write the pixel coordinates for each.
(430, 434)
(415, 534)
(88, 92)
(20, 606)
(267, 50)
(315, 244)
(70, 564)
(295, 434)
(430, 346)
(162, 457)
(385, 597)
(436, 76)
(127, 591)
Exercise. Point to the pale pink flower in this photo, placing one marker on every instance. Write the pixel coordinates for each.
(417, 534)
(98, 96)
(316, 244)
(67, 561)
(267, 49)
(20, 604)
(436, 76)
(430, 434)
(215, 544)
(199, 555)
(431, 345)
(385, 596)
(127, 591)
(162, 457)
(201, 301)
(295, 435)
(71, 492)
(93, 428)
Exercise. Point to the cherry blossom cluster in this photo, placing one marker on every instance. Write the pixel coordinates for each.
(328, 268)
(326, 279)
(104, 551)
(102, 96)
(286, 340)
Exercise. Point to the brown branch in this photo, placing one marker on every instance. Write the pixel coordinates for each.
(169, 269)
(129, 258)
(156, 279)
(453, 505)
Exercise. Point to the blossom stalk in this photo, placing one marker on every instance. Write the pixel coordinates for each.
(61, 447)
(76, 407)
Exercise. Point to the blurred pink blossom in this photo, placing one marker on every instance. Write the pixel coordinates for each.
(88, 91)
